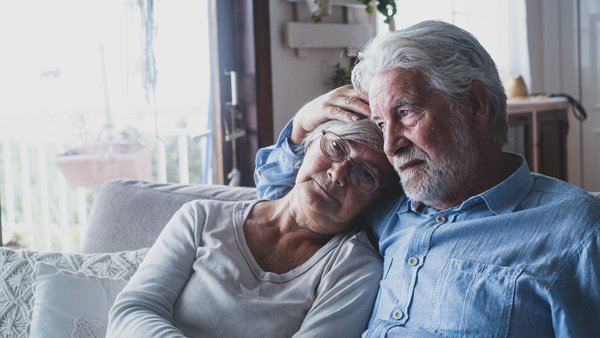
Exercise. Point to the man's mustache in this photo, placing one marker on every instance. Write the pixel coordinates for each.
(407, 155)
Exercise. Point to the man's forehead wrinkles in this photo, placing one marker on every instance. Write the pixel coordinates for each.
(379, 92)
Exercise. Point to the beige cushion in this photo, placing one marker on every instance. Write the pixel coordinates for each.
(129, 214)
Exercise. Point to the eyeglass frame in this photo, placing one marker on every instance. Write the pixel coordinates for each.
(354, 165)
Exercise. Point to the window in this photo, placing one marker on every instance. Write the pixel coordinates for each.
(94, 90)
(500, 26)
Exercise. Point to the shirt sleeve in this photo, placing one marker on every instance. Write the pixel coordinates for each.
(145, 307)
(575, 294)
(277, 166)
(346, 294)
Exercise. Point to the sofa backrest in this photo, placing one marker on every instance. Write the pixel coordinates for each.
(130, 214)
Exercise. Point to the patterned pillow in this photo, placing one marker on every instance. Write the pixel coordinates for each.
(17, 278)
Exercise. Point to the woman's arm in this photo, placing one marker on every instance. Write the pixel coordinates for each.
(277, 166)
(145, 308)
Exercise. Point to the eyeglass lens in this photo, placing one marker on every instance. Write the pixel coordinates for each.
(336, 149)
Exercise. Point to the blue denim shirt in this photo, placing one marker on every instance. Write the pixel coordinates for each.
(519, 260)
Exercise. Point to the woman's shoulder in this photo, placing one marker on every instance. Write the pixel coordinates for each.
(354, 255)
(215, 213)
(357, 244)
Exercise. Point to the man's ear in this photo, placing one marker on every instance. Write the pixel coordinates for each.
(479, 102)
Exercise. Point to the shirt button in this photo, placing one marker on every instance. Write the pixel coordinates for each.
(398, 315)
(441, 219)
(413, 261)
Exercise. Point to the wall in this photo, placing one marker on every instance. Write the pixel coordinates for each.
(589, 43)
(554, 54)
(296, 80)
(552, 27)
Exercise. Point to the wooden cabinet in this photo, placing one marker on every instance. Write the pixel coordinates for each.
(538, 130)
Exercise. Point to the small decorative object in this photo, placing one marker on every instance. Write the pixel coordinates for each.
(515, 87)
(90, 166)
(385, 7)
(318, 9)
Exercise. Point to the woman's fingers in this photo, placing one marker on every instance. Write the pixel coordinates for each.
(350, 100)
(349, 106)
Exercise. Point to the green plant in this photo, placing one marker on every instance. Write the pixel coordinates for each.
(340, 76)
(385, 7)
(318, 9)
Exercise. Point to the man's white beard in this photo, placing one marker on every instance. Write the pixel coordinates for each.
(434, 183)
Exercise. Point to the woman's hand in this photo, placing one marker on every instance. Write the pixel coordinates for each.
(343, 103)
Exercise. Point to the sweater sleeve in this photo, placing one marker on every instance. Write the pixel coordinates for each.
(145, 307)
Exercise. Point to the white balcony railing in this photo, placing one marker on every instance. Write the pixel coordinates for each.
(41, 210)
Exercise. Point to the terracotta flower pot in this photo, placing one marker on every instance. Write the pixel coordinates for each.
(91, 166)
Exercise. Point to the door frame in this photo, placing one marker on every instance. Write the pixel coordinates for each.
(240, 37)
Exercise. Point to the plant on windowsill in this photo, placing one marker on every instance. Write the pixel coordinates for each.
(112, 155)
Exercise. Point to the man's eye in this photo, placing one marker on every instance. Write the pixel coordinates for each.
(381, 125)
(406, 113)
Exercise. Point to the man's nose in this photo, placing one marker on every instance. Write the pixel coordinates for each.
(394, 139)
(339, 172)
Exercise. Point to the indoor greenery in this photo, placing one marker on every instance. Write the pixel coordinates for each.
(385, 7)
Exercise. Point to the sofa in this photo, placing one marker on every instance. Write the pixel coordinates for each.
(52, 294)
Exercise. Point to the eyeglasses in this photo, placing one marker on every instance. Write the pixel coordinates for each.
(337, 150)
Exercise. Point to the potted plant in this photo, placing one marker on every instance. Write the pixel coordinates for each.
(386, 7)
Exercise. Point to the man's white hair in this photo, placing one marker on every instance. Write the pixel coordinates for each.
(448, 56)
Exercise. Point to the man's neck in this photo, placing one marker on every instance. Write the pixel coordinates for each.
(489, 174)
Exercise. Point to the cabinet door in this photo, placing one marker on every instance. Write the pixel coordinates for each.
(552, 143)
(520, 134)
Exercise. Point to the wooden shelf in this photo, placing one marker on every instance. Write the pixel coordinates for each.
(345, 3)
(326, 35)
(536, 103)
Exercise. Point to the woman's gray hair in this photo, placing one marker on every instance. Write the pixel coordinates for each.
(448, 56)
(361, 131)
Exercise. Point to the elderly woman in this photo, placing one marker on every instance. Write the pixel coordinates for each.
(296, 266)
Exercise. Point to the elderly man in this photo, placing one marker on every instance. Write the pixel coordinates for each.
(477, 246)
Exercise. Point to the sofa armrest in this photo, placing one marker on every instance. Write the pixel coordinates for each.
(130, 214)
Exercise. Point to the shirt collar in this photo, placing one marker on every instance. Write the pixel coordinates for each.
(506, 196)
(502, 198)
(414, 207)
